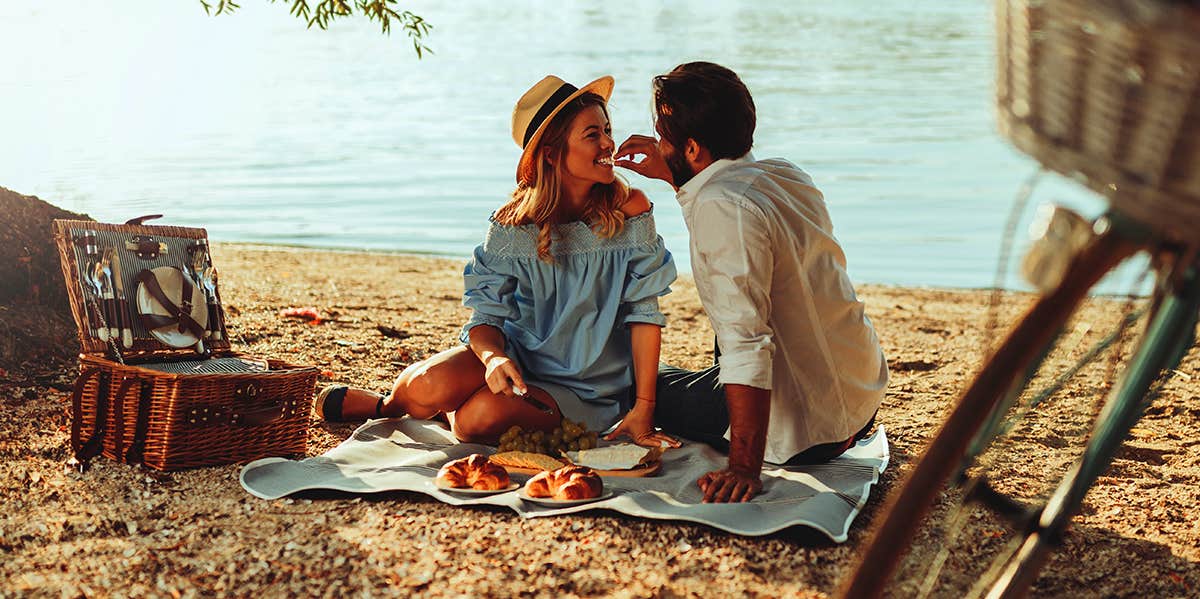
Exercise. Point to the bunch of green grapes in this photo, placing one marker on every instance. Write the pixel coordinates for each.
(568, 436)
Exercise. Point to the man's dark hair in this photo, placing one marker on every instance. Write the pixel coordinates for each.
(708, 103)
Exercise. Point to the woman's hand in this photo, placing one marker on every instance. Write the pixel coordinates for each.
(503, 377)
(729, 486)
(639, 426)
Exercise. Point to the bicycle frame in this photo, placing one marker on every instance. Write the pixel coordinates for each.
(980, 406)
(1167, 339)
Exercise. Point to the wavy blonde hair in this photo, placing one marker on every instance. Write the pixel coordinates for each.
(540, 202)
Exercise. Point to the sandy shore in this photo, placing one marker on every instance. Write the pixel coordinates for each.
(118, 530)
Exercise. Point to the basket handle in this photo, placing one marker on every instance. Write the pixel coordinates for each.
(119, 415)
(258, 416)
(86, 450)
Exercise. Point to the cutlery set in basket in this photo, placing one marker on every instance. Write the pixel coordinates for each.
(158, 383)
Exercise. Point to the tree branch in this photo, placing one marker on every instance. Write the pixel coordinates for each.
(322, 12)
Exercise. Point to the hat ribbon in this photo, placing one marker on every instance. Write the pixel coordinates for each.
(563, 92)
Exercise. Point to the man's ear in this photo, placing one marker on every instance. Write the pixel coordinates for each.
(691, 151)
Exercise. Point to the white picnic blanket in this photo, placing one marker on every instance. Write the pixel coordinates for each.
(405, 454)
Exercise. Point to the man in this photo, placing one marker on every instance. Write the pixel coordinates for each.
(800, 373)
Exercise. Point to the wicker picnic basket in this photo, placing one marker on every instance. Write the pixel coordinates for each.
(1108, 92)
(140, 396)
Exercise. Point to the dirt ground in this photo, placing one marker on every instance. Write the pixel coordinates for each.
(125, 531)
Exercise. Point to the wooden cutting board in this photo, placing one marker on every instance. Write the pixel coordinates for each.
(648, 469)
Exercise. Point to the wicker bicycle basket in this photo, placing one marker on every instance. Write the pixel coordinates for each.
(1108, 92)
(140, 400)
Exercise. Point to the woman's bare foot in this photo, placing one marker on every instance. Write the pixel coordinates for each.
(339, 403)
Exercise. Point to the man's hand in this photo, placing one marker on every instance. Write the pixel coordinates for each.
(749, 414)
(639, 426)
(729, 486)
(503, 377)
(653, 166)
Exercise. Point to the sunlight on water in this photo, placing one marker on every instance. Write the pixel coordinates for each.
(259, 130)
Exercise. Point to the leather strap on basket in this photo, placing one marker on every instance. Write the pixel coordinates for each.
(86, 450)
(178, 316)
(118, 402)
(137, 451)
(203, 416)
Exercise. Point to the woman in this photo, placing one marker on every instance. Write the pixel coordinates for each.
(564, 291)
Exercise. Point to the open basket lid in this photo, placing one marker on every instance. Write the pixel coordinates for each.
(139, 289)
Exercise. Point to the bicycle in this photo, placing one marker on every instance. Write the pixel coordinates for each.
(1151, 211)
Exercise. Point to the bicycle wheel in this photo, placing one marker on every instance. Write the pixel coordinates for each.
(905, 509)
(1170, 334)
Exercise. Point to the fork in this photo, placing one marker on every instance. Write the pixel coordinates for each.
(104, 271)
(208, 279)
(210, 283)
(97, 278)
(191, 271)
(91, 277)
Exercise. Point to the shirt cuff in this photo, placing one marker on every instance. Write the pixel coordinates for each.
(646, 311)
(751, 368)
(477, 319)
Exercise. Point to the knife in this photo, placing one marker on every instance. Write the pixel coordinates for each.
(124, 317)
(533, 401)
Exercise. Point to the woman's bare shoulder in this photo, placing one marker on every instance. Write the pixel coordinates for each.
(637, 203)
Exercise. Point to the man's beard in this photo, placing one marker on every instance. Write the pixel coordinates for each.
(681, 171)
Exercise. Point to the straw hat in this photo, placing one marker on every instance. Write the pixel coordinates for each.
(538, 106)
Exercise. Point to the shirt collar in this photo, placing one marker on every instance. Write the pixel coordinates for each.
(688, 192)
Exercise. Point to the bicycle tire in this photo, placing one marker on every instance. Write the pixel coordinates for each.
(904, 510)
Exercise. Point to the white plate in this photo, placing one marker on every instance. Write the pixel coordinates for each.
(170, 279)
(552, 502)
(469, 491)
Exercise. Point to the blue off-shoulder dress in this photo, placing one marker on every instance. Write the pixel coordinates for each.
(565, 322)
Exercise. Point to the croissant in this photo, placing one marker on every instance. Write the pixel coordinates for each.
(474, 472)
(569, 482)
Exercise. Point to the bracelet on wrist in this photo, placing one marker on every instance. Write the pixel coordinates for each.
(646, 400)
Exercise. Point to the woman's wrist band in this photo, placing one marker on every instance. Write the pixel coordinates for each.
(645, 400)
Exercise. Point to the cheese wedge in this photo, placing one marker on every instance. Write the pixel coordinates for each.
(623, 456)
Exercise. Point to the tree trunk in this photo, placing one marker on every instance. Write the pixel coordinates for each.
(37, 332)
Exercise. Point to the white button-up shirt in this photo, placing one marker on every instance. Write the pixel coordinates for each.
(773, 281)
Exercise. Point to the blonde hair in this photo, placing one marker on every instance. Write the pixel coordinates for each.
(539, 202)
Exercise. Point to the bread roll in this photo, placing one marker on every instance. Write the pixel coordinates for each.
(473, 472)
(567, 483)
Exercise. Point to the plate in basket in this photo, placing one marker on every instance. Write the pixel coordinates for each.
(552, 502)
(469, 491)
(171, 279)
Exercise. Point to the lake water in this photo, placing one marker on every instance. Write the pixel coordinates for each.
(262, 131)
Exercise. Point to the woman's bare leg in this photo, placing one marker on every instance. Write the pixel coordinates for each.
(484, 416)
(440, 383)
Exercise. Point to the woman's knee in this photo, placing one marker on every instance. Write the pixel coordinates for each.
(479, 420)
(419, 384)
(485, 416)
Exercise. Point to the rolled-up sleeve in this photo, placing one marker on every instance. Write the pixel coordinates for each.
(488, 291)
(732, 263)
(650, 274)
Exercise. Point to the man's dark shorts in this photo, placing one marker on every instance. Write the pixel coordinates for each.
(691, 404)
